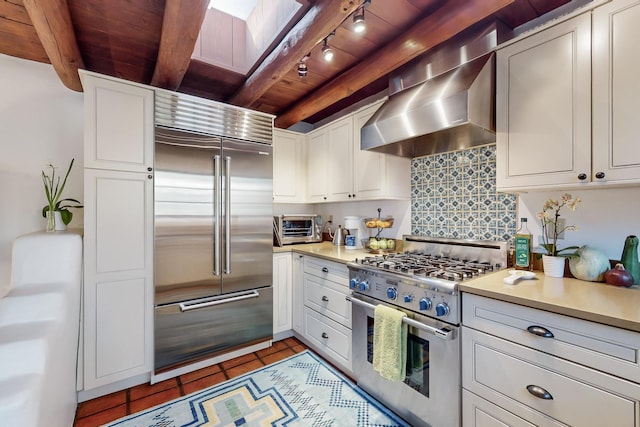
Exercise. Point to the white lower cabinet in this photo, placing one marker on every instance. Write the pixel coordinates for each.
(282, 287)
(297, 293)
(520, 367)
(326, 314)
(118, 276)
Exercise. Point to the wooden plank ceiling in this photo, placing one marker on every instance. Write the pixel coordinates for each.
(150, 42)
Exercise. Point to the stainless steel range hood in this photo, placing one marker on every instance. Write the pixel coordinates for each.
(442, 102)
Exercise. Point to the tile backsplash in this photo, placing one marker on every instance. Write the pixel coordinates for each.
(454, 195)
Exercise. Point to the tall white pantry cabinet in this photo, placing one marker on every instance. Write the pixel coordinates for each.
(118, 248)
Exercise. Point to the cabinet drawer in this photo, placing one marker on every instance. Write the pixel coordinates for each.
(327, 270)
(327, 298)
(477, 412)
(329, 337)
(502, 372)
(612, 350)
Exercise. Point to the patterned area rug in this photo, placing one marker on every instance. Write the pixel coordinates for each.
(299, 391)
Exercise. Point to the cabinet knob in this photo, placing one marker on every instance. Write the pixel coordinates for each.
(354, 196)
(600, 175)
(539, 392)
(325, 197)
(325, 299)
(582, 176)
(149, 176)
(324, 335)
(149, 169)
(349, 196)
(325, 270)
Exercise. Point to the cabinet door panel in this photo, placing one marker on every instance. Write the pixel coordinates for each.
(317, 181)
(120, 223)
(289, 167)
(281, 292)
(341, 159)
(120, 326)
(118, 125)
(616, 60)
(543, 107)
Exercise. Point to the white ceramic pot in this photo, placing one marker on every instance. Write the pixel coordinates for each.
(553, 266)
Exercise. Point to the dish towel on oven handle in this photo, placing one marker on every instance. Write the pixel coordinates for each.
(389, 343)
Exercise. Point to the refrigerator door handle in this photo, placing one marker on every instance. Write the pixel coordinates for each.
(227, 216)
(208, 302)
(217, 201)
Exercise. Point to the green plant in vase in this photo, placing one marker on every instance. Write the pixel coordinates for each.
(53, 190)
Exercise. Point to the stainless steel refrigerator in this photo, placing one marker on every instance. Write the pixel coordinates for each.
(213, 246)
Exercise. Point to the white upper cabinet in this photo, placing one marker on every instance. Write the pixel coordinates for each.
(317, 166)
(377, 175)
(567, 103)
(543, 108)
(289, 167)
(616, 61)
(341, 160)
(118, 125)
(338, 171)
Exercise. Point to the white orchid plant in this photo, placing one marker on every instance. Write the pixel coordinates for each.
(550, 230)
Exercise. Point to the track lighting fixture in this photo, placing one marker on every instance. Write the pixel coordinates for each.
(358, 21)
(327, 52)
(302, 69)
(302, 66)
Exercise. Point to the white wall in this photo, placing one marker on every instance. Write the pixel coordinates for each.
(41, 121)
(604, 217)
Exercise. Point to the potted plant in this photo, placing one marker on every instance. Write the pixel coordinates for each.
(55, 205)
(553, 262)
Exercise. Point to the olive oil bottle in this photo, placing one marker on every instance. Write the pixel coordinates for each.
(522, 251)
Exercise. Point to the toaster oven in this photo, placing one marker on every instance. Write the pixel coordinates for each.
(290, 229)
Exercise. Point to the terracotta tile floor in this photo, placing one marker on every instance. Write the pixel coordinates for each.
(116, 405)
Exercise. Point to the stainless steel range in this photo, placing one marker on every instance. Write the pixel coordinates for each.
(423, 283)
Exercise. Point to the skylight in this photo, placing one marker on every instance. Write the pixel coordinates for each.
(239, 9)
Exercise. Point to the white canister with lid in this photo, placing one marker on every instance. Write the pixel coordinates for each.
(356, 232)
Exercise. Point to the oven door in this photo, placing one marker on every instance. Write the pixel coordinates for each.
(430, 393)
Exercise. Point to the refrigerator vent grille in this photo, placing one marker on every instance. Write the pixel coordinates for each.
(180, 111)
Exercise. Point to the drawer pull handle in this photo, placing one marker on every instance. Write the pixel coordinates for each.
(325, 270)
(539, 392)
(324, 335)
(540, 331)
(324, 298)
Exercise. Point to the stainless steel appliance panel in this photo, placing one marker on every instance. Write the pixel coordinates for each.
(184, 220)
(213, 250)
(247, 255)
(430, 394)
(202, 330)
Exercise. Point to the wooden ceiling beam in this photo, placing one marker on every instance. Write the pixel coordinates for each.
(180, 28)
(321, 19)
(452, 18)
(52, 22)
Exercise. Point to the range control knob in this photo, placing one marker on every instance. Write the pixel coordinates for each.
(364, 286)
(408, 298)
(392, 293)
(425, 304)
(442, 309)
(353, 283)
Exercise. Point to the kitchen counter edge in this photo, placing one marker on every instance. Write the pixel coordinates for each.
(593, 301)
(324, 250)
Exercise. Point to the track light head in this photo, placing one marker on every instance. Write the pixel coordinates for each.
(302, 69)
(327, 52)
(358, 21)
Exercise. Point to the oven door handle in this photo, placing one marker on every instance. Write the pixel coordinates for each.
(440, 333)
